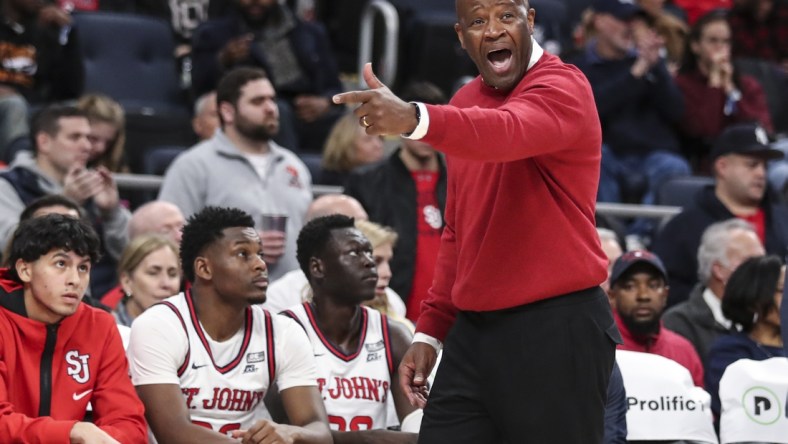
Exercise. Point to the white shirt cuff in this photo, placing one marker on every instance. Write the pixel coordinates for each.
(427, 339)
(424, 123)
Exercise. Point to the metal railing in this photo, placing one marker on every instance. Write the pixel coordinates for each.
(146, 182)
(388, 71)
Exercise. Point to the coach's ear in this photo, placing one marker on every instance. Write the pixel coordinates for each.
(23, 269)
(202, 268)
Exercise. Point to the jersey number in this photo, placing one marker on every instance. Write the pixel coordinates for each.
(224, 430)
(357, 423)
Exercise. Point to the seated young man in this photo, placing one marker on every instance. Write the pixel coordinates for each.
(56, 353)
(357, 348)
(203, 360)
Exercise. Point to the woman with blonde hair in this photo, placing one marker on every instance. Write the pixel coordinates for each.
(107, 131)
(348, 146)
(150, 272)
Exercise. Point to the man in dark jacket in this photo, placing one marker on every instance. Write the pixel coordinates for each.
(39, 62)
(738, 159)
(296, 56)
(638, 104)
(408, 193)
(723, 247)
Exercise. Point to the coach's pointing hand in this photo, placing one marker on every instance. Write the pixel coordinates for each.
(381, 112)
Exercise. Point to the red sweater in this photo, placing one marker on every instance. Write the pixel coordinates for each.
(88, 336)
(666, 344)
(523, 176)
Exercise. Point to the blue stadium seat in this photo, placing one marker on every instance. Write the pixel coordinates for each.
(131, 59)
(158, 159)
(681, 191)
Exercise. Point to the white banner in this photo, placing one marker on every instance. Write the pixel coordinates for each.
(662, 402)
(754, 400)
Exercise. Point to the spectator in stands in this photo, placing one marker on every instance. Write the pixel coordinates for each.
(53, 203)
(40, 62)
(95, 5)
(149, 272)
(241, 166)
(157, 217)
(638, 104)
(184, 16)
(638, 292)
(107, 132)
(723, 247)
(738, 160)
(752, 300)
(62, 149)
(612, 249)
(229, 350)
(616, 409)
(296, 55)
(671, 28)
(408, 193)
(206, 117)
(293, 287)
(716, 95)
(348, 147)
(153, 218)
(696, 9)
(338, 260)
(784, 320)
(759, 29)
(46, 388)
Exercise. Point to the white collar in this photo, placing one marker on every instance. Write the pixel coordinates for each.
(536, 53)
(715, 305)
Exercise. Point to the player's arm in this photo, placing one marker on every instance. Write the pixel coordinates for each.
(168, 417)
(400, 341)
(157, 348)
(18, 427)
(298, 401)
(298, 416)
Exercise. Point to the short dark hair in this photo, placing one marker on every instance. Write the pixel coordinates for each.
(229, 88)
(51, 200)
(204, 228)
(315, 235)
(750, 290)
(424, 92)
(38, 236)
(47, 120)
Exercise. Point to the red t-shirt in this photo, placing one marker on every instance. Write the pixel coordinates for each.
(758, 220)
(429, 225)
(79, 5)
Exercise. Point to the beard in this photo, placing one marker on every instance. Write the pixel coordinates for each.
(256, 301)
(640, 327)
(253, 131)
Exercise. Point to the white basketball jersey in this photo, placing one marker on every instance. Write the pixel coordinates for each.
(225, 396)
(354, 387)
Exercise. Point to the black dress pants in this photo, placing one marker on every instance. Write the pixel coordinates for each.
(534, 374)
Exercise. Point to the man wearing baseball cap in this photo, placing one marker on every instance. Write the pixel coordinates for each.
(638, 292)
(639, 105)
(740, 189)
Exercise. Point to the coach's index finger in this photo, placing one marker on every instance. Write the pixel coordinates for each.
(353, 97)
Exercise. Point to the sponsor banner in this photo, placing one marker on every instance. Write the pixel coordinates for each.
(754, 400)
(662, 402)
